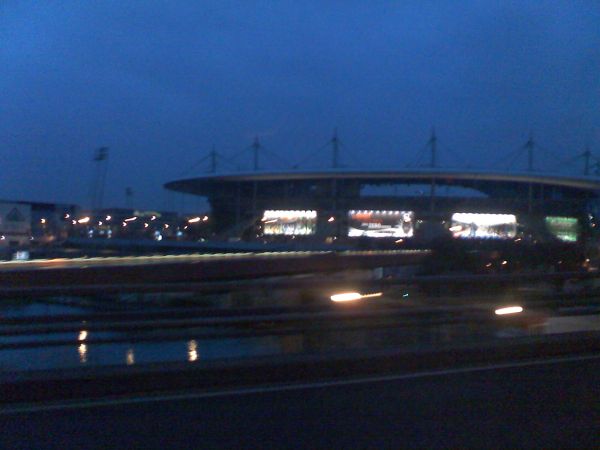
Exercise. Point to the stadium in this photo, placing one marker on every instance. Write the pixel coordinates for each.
(400, 205)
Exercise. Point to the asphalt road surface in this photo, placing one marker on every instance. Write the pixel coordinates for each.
(544, 403)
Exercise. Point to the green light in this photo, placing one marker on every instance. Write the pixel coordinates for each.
(563, 228)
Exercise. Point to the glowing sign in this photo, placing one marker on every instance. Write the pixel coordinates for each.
(289, 223)
(396, 224)
(471, 225)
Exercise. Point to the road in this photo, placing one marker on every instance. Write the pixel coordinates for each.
(88, 276)
(543, 403)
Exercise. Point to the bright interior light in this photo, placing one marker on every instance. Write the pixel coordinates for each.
(289, 222)
(289, 214)
(508, 310)
(83, 335)
(351, 296)
(130, 357)
(194, 220)
(475, 225)
(82, 350)
(84, 220)
(192, 350)
(131, 219)
(381, 223)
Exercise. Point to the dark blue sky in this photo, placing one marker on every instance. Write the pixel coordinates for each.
(161, 82)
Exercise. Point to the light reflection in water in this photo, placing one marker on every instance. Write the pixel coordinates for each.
(82, 350)
(130, 357)
(192, 350)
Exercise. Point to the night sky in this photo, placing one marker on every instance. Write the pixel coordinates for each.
(160, 83)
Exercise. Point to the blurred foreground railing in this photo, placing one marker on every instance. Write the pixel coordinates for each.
(313, 341)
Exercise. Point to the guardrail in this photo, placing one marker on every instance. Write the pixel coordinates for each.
(244, 274)
(201, 324)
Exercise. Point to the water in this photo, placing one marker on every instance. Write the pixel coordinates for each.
(194, 346)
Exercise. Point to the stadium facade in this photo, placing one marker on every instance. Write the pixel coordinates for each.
(407, 204)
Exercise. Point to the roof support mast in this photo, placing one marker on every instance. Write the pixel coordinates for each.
(529, 145)
(433, 145)
(256, 147)
(335, 146)
(99, 179)
(213, 160)
(586, 155)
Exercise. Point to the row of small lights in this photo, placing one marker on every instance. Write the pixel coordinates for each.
(87, 219)
(368, 211)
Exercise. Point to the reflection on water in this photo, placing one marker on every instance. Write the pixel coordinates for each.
(130, 357)
(420, 333)
(192, 348)
(82, 349)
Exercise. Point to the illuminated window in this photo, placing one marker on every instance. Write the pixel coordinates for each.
(370, 223)
(495, 226)
(289, 223)
(563, 228)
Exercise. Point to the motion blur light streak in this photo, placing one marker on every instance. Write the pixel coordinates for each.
(508, 310)
(350, 296)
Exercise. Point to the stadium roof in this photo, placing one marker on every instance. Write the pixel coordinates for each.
(205, 184)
